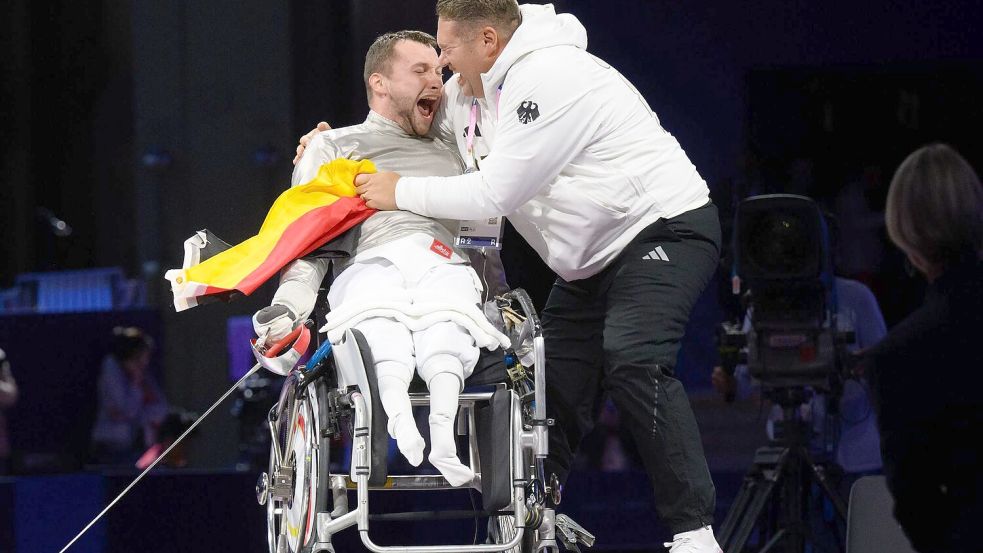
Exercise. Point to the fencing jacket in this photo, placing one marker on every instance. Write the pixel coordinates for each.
(578, 161)
(390, 148)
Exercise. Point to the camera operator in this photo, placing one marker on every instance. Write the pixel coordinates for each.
(921, 372)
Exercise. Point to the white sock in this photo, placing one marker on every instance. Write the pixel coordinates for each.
(444, 390)
(402, 427)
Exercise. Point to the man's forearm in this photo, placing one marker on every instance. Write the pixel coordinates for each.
(461, 197)
(299, 285)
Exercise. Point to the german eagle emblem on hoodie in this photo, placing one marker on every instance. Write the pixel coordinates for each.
(528, 111)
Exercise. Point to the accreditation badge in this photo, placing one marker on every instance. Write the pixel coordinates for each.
(480, 233)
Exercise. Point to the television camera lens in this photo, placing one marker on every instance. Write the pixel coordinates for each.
(781, 245)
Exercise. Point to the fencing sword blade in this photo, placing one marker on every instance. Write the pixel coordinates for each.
(139, 477)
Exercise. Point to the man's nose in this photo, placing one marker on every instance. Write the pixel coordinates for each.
(436, 79)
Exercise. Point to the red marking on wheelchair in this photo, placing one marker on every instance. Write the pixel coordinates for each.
(310, 513)
(439, 248)
(301, 425)
(309, 516)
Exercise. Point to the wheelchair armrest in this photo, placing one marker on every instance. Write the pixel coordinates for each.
(379, 471)
(495, 450)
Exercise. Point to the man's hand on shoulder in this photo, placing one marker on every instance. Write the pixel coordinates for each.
(378, 190)
(306, 139)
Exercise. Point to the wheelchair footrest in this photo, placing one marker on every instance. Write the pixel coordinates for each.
(434, 515)
(571, 534)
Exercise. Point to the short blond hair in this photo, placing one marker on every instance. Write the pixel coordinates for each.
(503, 15)
(379, 57)
(935, 206)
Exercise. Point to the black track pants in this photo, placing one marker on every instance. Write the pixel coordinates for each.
(619, 332)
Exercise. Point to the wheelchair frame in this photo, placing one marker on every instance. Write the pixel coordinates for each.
(296, 484)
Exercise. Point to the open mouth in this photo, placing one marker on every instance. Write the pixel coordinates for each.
(426, 107)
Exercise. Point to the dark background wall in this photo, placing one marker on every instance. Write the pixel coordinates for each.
(140, 122)
(212, 93)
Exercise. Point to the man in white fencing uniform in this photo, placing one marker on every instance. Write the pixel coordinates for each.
(399, 258)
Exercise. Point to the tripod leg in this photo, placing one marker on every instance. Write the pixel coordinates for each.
(823, 482)
(775, 540)
(744, 496)
(756, 491)
(751, 516)
(793, 502)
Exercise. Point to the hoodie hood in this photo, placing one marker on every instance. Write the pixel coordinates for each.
(541, 27)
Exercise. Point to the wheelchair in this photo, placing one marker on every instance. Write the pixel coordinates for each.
(505, 425)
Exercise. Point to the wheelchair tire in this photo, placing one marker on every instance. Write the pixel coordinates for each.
(502, 529)
(291, 522)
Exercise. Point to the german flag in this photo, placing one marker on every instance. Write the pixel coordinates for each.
(301, 219)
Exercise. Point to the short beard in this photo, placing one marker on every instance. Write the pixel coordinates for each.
(408, 124)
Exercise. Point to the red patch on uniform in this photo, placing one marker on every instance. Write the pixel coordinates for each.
(439, 248)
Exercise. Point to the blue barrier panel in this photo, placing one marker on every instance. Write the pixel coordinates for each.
(49, 511)
(187, 510)
(6, 515)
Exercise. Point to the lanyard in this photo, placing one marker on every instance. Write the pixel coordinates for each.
(481, 233)
(473, 126)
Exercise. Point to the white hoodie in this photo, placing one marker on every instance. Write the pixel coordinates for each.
(578, 161)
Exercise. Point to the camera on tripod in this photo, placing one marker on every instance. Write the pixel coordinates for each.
(782, 259)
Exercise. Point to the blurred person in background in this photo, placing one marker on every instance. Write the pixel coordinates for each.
(921, 373)
(861, 256)
(131, 406)
(177, 422)
(8, 397)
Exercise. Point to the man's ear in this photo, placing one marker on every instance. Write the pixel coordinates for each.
(489, 38)
(377, 84)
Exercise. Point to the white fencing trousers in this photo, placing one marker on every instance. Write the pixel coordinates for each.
(443, 354)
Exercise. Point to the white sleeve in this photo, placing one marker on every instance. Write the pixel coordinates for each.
(527, 155)
(870, 327)
(320, 151)
(299, 284)
(301, 279)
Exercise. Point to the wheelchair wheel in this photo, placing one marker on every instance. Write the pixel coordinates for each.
(501, 529)
(297, 494)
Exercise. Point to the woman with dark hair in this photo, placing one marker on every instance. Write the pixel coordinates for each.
(921, 372)
(131, 404)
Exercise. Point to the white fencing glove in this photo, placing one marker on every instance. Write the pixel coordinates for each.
(272, 323)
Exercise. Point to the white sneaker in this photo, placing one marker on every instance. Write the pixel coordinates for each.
(700, 540)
